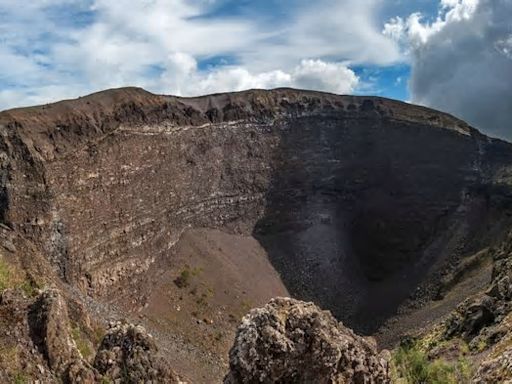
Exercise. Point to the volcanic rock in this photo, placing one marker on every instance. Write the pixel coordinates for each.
(362, 205)
(289, 341)
(50, 326)
(129, 354)
(495, 370)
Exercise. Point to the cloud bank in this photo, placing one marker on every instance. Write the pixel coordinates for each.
(462, 61)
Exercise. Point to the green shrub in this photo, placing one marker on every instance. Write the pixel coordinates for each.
(411, 365)
(5, 275)
(12, 277)
(183, 280)
(29, 287)
(81, 342)
(20, 378)
(186, 275)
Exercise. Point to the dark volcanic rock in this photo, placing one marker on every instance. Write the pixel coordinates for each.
(289, 341)
(479, 319)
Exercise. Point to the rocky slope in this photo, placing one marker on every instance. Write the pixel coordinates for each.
(182, 213)
(42, 343)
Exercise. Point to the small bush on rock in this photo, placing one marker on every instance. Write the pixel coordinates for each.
(412, 366)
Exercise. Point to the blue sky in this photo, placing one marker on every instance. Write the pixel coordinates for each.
(54, 49)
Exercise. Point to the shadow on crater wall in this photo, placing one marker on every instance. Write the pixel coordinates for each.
(359, 210)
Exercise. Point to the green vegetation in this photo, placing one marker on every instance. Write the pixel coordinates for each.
(186, 275)
(481, 345)
(9, 358)
(81, 342)
(6, 275)
(183, 280)
(29, 287)
(20, 378)
(411, 365)
(11, 277)
(10, 364)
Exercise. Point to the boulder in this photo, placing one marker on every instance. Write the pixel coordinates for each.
(128, 354)
(471, 317)
(290, 341)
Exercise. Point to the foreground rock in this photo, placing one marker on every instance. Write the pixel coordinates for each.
(128, 354)
(44, 341)
(290, 341)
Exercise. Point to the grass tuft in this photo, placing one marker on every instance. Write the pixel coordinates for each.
(186, 275)
(6, 275)
(81, 342)
(410, 365)
(11, 277)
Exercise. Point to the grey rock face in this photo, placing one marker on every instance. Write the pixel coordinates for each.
(480, 317)
(290, 341)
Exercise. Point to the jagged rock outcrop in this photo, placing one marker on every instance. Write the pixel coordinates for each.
(485, 321)
(289, 341)
(478, 319)
(495, 370)
(50, 326)
(128, 354)
(479, 331)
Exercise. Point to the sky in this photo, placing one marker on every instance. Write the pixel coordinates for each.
(452, 55)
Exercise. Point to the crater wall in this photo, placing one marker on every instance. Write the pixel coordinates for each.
(348, 195)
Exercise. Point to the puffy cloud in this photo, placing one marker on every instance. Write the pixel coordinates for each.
(317, 74)
(461, 62)
(183, 78)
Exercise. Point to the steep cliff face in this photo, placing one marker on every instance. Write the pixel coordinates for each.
(357, 200)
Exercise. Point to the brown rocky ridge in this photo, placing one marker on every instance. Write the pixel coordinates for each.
(125, 209)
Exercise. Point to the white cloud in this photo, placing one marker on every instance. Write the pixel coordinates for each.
(461, 62)
(159, 45)
(317, 74)
(184, 78)
(346, 30)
